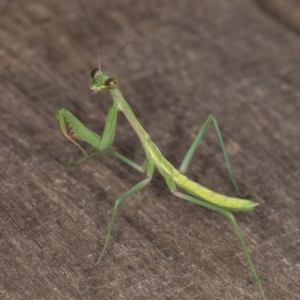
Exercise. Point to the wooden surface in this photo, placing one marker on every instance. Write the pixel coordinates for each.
(234, 59)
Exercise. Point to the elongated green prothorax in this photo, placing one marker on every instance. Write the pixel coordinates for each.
(74, 130)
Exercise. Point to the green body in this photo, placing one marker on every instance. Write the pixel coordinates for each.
(73, 129)
(165, 168)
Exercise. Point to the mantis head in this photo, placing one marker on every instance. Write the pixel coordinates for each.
(101, 81)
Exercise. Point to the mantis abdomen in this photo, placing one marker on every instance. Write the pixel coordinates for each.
(231, 203)
(169, 172)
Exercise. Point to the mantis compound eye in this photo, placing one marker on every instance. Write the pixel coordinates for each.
(94, 72)
(111, 83)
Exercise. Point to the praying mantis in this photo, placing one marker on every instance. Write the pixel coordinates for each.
(74, 130)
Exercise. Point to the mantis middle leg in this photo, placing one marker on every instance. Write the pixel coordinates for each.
(134, 189)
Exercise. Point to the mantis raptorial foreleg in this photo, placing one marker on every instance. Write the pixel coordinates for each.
(134, 189)
(188, 157)
(74, 129)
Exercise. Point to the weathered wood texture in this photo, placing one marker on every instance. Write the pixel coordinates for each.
(192, 58)
(286, 11)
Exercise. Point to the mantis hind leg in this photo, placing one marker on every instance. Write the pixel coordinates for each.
(238, 231)
(172, 186)
(188, 157)
(134, 189)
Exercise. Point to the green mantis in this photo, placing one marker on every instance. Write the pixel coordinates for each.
(73, 129)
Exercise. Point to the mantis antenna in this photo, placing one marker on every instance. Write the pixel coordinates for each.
(93, 34)
(118, 55)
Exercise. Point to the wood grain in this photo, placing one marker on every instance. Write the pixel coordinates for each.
(190, 58)
(285, 11)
